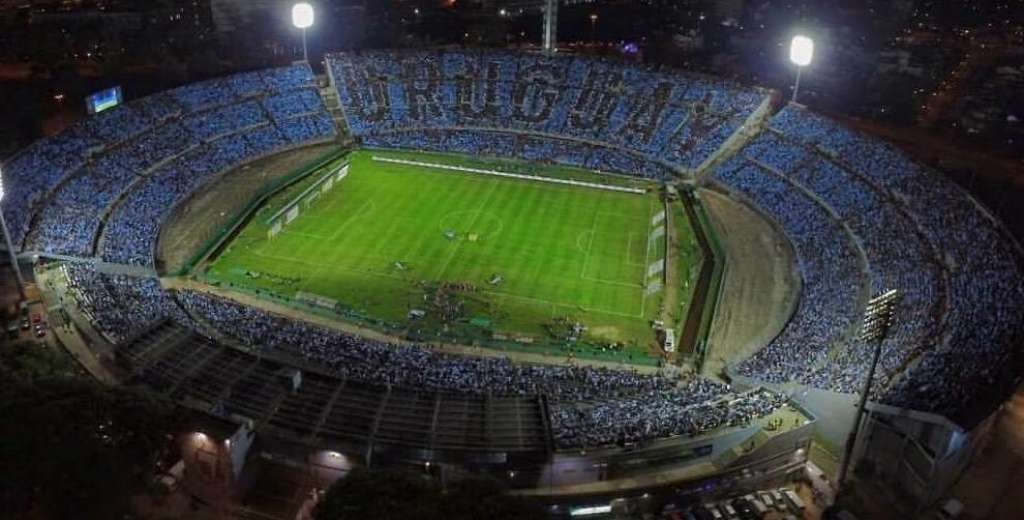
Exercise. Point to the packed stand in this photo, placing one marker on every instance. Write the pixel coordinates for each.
(829, 266)
(532, 148)
(654, 113)
(372, 361)
(63, 187)
(119, 306)
(133, 227)
(36, 171)
(898, 257)
(955, 349)
(694, 408)
(590, 407)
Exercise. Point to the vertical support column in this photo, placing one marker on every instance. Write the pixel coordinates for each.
(796, 86)
(13, 255)
(305, 50)
(550, 25)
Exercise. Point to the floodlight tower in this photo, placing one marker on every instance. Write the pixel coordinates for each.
(10, 246)
(878, 319)
(801, 52)
(302, 18)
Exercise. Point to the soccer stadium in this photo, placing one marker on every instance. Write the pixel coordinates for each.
(586, 277)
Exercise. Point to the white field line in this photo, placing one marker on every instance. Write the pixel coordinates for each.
(557, 304)
(520, 176)
(472, 225)
(320, 265)
(590, 245)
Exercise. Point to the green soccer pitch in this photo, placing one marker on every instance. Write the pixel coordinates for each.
(521, 258)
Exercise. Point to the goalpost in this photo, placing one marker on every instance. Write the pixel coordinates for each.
(654, 277)
(275, 228)
(293, 209)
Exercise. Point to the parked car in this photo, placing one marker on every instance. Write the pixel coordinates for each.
(758, 506)
(715, 512)
(953, 508)
(794, 500)
(744, 509)
(729, 510)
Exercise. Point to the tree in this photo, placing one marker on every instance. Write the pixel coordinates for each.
(28, 360)
(380, 494)
(476, 498)
(74, 448)
(393, 495)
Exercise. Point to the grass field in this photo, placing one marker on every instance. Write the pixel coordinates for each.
(384, 239)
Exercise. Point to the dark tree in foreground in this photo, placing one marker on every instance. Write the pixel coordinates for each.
(27, 361)
(394, 495)
(71, 447)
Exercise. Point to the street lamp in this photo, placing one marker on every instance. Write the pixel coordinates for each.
(801, 52)
(10, 246)
(302, 18)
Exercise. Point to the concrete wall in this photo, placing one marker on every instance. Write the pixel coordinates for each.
(569, 469)
(922, 455)
(834, 413)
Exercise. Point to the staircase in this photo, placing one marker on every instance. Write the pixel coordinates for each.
(330, 96)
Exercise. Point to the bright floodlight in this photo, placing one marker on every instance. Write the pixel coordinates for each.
(801, 51)
(302, 15)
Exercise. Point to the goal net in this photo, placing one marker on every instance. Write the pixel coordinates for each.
(291, 211)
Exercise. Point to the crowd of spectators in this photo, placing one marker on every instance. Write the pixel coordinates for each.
(36, 171)
(132, 229)
(861, 216)
(72, 216)
(533, 148)
(133, 163)
(897, 256)
(378, 362)
(119, 306)
(591, 406)
(694, 408)
(676, 117)
(293, 103)
(954, 349)
(828, 264)
(226, 120)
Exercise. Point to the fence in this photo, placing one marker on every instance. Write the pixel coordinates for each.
(697, 324)
(715, 284)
